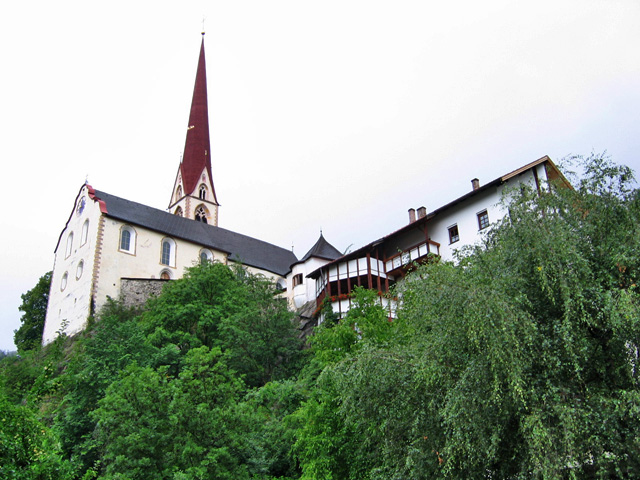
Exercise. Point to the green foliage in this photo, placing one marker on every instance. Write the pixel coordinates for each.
(154, 426)
(520, 361)
(272, 429)
(216, 306)
(110, 344)
(28, 449)
(366, 323)
(34, 308)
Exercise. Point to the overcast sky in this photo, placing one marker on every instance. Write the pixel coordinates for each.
(332, 115)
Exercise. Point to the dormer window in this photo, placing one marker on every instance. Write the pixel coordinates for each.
(202, 193)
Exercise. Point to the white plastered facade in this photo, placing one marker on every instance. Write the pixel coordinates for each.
(105, 263)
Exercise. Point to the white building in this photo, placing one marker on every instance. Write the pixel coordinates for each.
(113, 247)
(382, 263)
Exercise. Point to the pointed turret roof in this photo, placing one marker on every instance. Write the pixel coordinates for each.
(197, 149)
(322, 249)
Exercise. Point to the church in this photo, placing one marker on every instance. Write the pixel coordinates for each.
(113, 247)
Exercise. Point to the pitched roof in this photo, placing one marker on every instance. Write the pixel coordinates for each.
(421, 221)
(322, 249)
(240, 248)
(197, 148)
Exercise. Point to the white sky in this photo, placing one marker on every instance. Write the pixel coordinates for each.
(332, 115)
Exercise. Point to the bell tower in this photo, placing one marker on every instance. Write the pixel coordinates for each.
(193, 195)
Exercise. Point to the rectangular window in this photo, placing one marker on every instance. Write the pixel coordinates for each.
(483, 220)
(297, 279)
(453, 234)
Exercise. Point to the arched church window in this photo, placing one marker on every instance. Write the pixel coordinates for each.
(63, 282)
(203, 192)
(69, 245)
(127, 239)
(168, 253)
(179, 212)
(201, 214)
(179, 192)
(206, 256)
(85, 232)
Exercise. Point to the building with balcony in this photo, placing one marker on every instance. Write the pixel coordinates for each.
(382, 263)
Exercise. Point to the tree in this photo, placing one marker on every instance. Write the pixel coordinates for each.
(34, 306)
(214, 305)
(107, 348)
(518, 361)
(152, 425)
(28, 449)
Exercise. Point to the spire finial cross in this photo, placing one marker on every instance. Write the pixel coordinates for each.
(203, 19)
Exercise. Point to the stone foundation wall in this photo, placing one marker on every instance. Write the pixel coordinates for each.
(134, 292)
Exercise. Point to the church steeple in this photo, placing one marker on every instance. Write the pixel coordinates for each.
(193, 194)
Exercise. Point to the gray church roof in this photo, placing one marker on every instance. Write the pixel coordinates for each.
(240, 248)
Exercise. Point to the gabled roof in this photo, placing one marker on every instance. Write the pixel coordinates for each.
(321, 249)
(419, 223)
(197, 148)
(240, 248)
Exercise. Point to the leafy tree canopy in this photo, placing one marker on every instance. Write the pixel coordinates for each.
(34, 308)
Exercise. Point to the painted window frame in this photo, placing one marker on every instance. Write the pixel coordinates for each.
(133, 237)
(483, 219)
(208, 255)
(204, 210)
(168, 258)
(454, 233)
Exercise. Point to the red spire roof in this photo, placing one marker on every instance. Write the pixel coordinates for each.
(197, 150)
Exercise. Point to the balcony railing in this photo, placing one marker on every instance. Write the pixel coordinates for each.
(412, 254)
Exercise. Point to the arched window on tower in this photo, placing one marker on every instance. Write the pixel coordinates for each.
(201, 214)
(178, 193)
(179, 212)
(203, 192)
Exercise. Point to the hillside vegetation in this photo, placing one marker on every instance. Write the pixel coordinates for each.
(519, 361)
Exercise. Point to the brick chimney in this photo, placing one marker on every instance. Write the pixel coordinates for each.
(412, 215)
(422, 212)
(475, 183)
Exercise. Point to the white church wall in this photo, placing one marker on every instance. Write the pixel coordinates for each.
(69, 307)
(145, 261)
